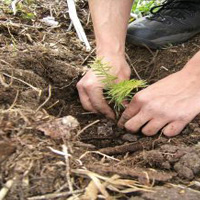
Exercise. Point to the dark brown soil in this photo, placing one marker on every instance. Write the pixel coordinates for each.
(39, 69)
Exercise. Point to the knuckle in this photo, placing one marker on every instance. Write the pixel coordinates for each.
(88, 86)
(126, 116)
(139, 98)
(79, 85)
(97, 105)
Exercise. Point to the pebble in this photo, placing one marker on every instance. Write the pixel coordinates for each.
(129, 137)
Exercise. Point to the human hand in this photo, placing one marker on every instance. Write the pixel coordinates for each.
(90, 87)
(168, 105)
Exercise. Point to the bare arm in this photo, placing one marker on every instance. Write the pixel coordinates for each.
(110, 19)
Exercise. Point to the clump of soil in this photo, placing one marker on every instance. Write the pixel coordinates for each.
(184, 160)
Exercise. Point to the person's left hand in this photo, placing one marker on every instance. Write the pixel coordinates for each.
(170, 104)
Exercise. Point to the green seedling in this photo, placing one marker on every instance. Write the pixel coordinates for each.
(142, 7)
(24, 9)
(116, 92)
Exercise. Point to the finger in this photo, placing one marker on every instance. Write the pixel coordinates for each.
(136, 122)
(174, 128)
(85, 101)
(131, 110)
(99, 103)
(153, 127)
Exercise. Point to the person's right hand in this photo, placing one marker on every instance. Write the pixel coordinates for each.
(90, 87)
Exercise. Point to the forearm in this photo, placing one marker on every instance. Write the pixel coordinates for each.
(110, 19)
(192, 68)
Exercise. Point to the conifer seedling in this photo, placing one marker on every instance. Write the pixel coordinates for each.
(115, 92)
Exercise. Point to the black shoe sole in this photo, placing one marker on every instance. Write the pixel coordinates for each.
(162, 42)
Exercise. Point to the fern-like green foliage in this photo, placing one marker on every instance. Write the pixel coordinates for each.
(102, 70)
(123, 91)
(115, 92)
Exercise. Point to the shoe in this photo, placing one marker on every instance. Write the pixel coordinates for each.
(173, 22)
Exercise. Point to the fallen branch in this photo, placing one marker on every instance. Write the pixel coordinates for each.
(132, 147)
(141, 174)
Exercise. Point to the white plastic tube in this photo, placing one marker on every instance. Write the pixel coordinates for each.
(77, 24)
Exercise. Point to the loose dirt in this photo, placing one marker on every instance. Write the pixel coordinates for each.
(39, 69)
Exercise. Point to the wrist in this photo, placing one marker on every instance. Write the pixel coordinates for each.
(114, 49)
(192, 68)
(117, 63)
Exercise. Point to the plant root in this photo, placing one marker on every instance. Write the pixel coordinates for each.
(132, 147)
(141, 174)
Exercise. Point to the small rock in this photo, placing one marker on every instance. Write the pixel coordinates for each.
(105, 129)
(154, 158)
(192, 161)
(49, 21)
(129, 137)
(60, 128)
(183, 171)
(166, 165)
(70, 122)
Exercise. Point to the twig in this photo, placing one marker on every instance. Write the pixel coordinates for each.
(88, 19)
(12, 37)
(129, 60)
(55, 195)
(14, 102)
(88, 126)
(51, 106)
(22, 81)
(97, 152)
(149, 49)
(4, 191)
(114, 183)
(47, 99)
(62, 188)
(84, 145)
(2, 81)
(133, 172)
(65, 151)
(56, 151)
(70, 26)
(131, 147)
(88, 56)
(17, 25)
